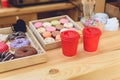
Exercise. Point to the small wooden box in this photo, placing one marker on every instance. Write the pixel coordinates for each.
(113, 9)
(56, 44)
(24, 61)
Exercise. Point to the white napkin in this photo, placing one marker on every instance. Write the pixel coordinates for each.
(112, 24)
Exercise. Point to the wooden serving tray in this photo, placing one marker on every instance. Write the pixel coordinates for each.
(24, 61)
(56, 44)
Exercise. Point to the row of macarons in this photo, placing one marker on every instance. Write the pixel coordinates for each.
(63, 21)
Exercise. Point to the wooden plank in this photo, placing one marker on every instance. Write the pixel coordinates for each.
(107, 62)
(100, 6)
(73, 13)
(106, 73)
(113, 10)
(35, 9)
(7, 21)
(83, 66)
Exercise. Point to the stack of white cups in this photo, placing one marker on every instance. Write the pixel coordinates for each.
(112, 24)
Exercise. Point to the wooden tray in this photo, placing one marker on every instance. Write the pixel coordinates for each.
(25, 61)
(56, 44)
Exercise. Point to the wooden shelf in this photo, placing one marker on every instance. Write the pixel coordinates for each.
(8, 15)
(34, 9)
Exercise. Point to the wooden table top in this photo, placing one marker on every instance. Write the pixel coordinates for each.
(101, 65)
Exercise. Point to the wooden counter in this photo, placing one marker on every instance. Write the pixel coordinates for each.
(101, 65)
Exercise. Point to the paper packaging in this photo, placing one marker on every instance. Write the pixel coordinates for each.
(112, 24)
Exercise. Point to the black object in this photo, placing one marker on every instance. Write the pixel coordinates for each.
(22, 3)
(20, 25)
(110, 1)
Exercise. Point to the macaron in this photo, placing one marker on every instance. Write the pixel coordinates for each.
(50, 28)
(55, 33)
(46, 34)
(38, 24)
(41, 30)
(64, 29)
(59, 27)
(49, 40)
(68, 25)
(57, 38)
(64, 20)
(45, 24)
(55, 22)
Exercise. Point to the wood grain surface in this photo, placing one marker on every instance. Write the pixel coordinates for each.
(101, 65)
(34, 9)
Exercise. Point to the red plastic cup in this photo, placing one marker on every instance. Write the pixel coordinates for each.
(69, 42)
(4, 3)
(91, 37)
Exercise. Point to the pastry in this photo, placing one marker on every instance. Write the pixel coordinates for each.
(25, 51)
(55, 22)
(46, 34)
(17, 43)
(64, 29)
(57, 38)
(45, 24)
(64, 20)
(16, 35)
(54, 33)
(68, 25)
(5, 56)
(50, 28)
(59, 27)
(37, 25)
(41, 30)
(49, 40)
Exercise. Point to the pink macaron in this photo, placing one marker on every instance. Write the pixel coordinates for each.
(50, 28)
(64, 20)
(38, 25)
